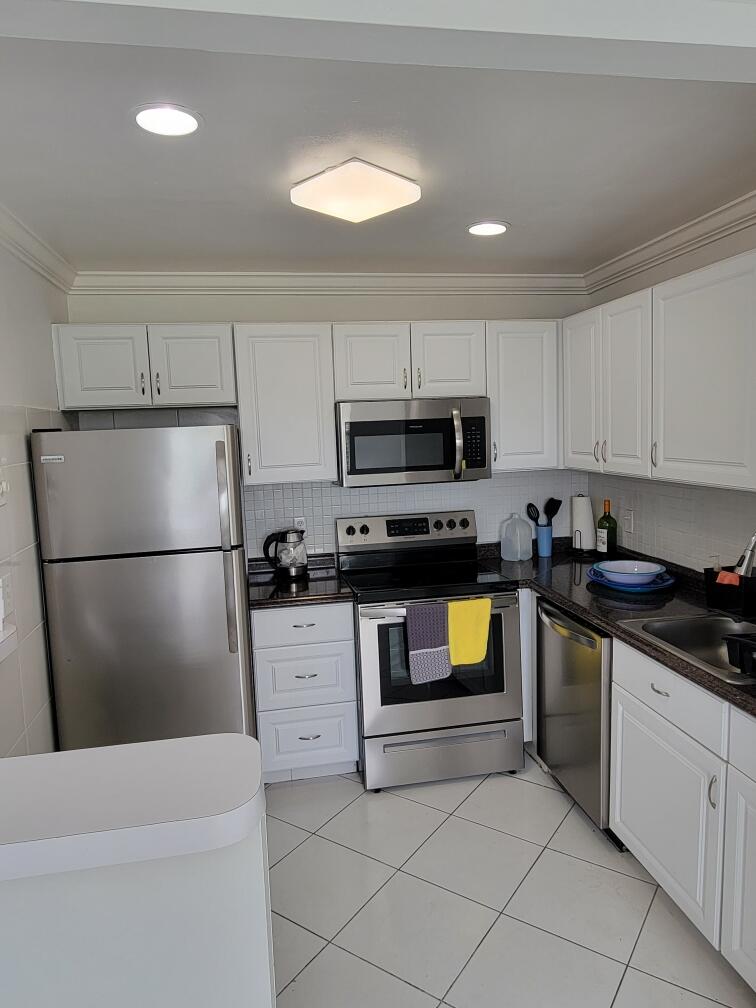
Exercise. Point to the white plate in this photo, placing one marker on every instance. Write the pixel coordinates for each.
(630, 572)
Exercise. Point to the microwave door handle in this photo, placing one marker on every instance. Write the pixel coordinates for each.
(458, 443)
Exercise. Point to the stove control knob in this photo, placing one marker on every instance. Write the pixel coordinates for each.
(438, 524)
(364, 529)
(451, 524)
(464, 522)
(350, 530)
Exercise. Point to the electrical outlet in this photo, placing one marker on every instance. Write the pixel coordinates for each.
(627, 521)
(299, 523)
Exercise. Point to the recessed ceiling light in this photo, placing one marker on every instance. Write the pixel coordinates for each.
(167, 120)
(488, 228)
(355, 191)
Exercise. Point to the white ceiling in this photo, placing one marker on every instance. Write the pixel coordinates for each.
(583, 167)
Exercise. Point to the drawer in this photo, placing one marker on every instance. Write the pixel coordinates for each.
(743, 742)
(695, 711)
(308, 736)
(305, 624)
(304, 676)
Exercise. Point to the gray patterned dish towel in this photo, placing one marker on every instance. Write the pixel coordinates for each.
(428, 642)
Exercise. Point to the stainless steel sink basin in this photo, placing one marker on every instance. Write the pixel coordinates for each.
(699, 639)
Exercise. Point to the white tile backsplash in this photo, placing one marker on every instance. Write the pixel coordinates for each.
(275, 506)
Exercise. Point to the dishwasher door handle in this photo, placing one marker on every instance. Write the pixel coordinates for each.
(567, 632)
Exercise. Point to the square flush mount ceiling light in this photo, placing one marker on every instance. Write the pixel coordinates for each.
(355, 191)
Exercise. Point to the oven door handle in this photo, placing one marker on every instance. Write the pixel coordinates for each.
(458, 443)
(376, 614)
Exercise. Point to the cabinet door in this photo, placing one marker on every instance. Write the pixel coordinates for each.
(626, 385)
(285, 376)
(704, 417)
(192, 365)
(101, 365)
(581, 341)
(522, 383)
(371, 360)
(739, 891)
(448, 359)
(667, 801)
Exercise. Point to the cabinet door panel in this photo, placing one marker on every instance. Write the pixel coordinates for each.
(739, 899)
(704, 417)
(581, 340)
(285, 375)
(102, 366)
(448, 359)
(192, 365)
(372, 360)
(626, 385)
(667, 800)
(522, 383)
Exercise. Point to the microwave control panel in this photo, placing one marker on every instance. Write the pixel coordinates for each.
(474, 442)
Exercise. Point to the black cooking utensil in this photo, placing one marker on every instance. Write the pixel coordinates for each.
(551, 509)
(533, 513)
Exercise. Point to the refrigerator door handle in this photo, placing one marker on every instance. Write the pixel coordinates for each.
(221, 468)
(230, 593)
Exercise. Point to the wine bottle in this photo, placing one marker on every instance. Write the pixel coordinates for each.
(606, 532)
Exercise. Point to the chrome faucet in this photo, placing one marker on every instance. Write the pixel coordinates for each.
(746, 563)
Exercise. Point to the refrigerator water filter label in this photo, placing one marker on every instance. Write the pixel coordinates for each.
(52, 458)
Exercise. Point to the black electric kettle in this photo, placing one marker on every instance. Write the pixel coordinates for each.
(286, 553)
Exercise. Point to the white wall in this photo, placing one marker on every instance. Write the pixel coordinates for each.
(28, 399)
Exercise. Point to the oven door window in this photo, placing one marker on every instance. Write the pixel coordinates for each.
(465, 681)
(391, 446)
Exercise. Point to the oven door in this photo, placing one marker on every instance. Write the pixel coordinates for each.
(472, 694)
(413, 441)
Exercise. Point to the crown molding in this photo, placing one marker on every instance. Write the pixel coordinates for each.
(341, 284)
(698, 233)
(30, 249)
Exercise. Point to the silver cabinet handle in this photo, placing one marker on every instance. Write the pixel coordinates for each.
(659, 692)
(596, 451)
(308, 738)
(458, 443)
(157, 382)
(419, 378)
(495, 451)
(302, 626)
(603, 451)
(141, 379)
(404, 370)
(712, 782)
(306, 675)
(249, 464)
(653, 454)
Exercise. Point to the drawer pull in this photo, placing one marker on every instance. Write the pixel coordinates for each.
(302, 626)
(308, 738)
(712, 782)
(660, 692)
(306, 675)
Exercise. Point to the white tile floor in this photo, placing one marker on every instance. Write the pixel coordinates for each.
(472, 893)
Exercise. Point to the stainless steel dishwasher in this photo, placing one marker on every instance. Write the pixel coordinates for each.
(573, 708)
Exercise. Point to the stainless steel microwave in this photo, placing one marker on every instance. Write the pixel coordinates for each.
(413, 441)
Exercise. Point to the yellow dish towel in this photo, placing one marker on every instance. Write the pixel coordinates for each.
(468, 630)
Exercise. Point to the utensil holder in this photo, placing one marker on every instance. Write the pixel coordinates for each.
(544, 540)
(739, 599)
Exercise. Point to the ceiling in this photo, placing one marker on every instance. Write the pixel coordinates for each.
(583, 167)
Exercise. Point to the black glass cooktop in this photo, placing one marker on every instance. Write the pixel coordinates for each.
(423, 581)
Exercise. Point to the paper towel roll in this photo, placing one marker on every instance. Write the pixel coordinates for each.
(583, 525)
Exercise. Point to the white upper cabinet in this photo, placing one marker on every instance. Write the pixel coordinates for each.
(581, 341)
(704, 413)
(521, 361)
(448, 359)
(102, 366)
(626, 385)
(372, 360)
(286, 400)
(192, 364)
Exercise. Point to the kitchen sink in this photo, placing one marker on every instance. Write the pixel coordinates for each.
(699, 639)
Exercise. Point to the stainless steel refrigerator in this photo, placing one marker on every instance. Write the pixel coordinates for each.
(145, 583)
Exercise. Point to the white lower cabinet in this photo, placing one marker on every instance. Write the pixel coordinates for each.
(308, 736)
(667, 805)
(304, 675)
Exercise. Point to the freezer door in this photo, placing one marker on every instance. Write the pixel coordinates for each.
(150, 647)
(114, 492)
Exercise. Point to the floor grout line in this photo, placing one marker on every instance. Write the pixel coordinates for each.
(671, 983)
(635, 945)
(596, 864)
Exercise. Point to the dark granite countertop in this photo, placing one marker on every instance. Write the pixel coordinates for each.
(323, 584)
